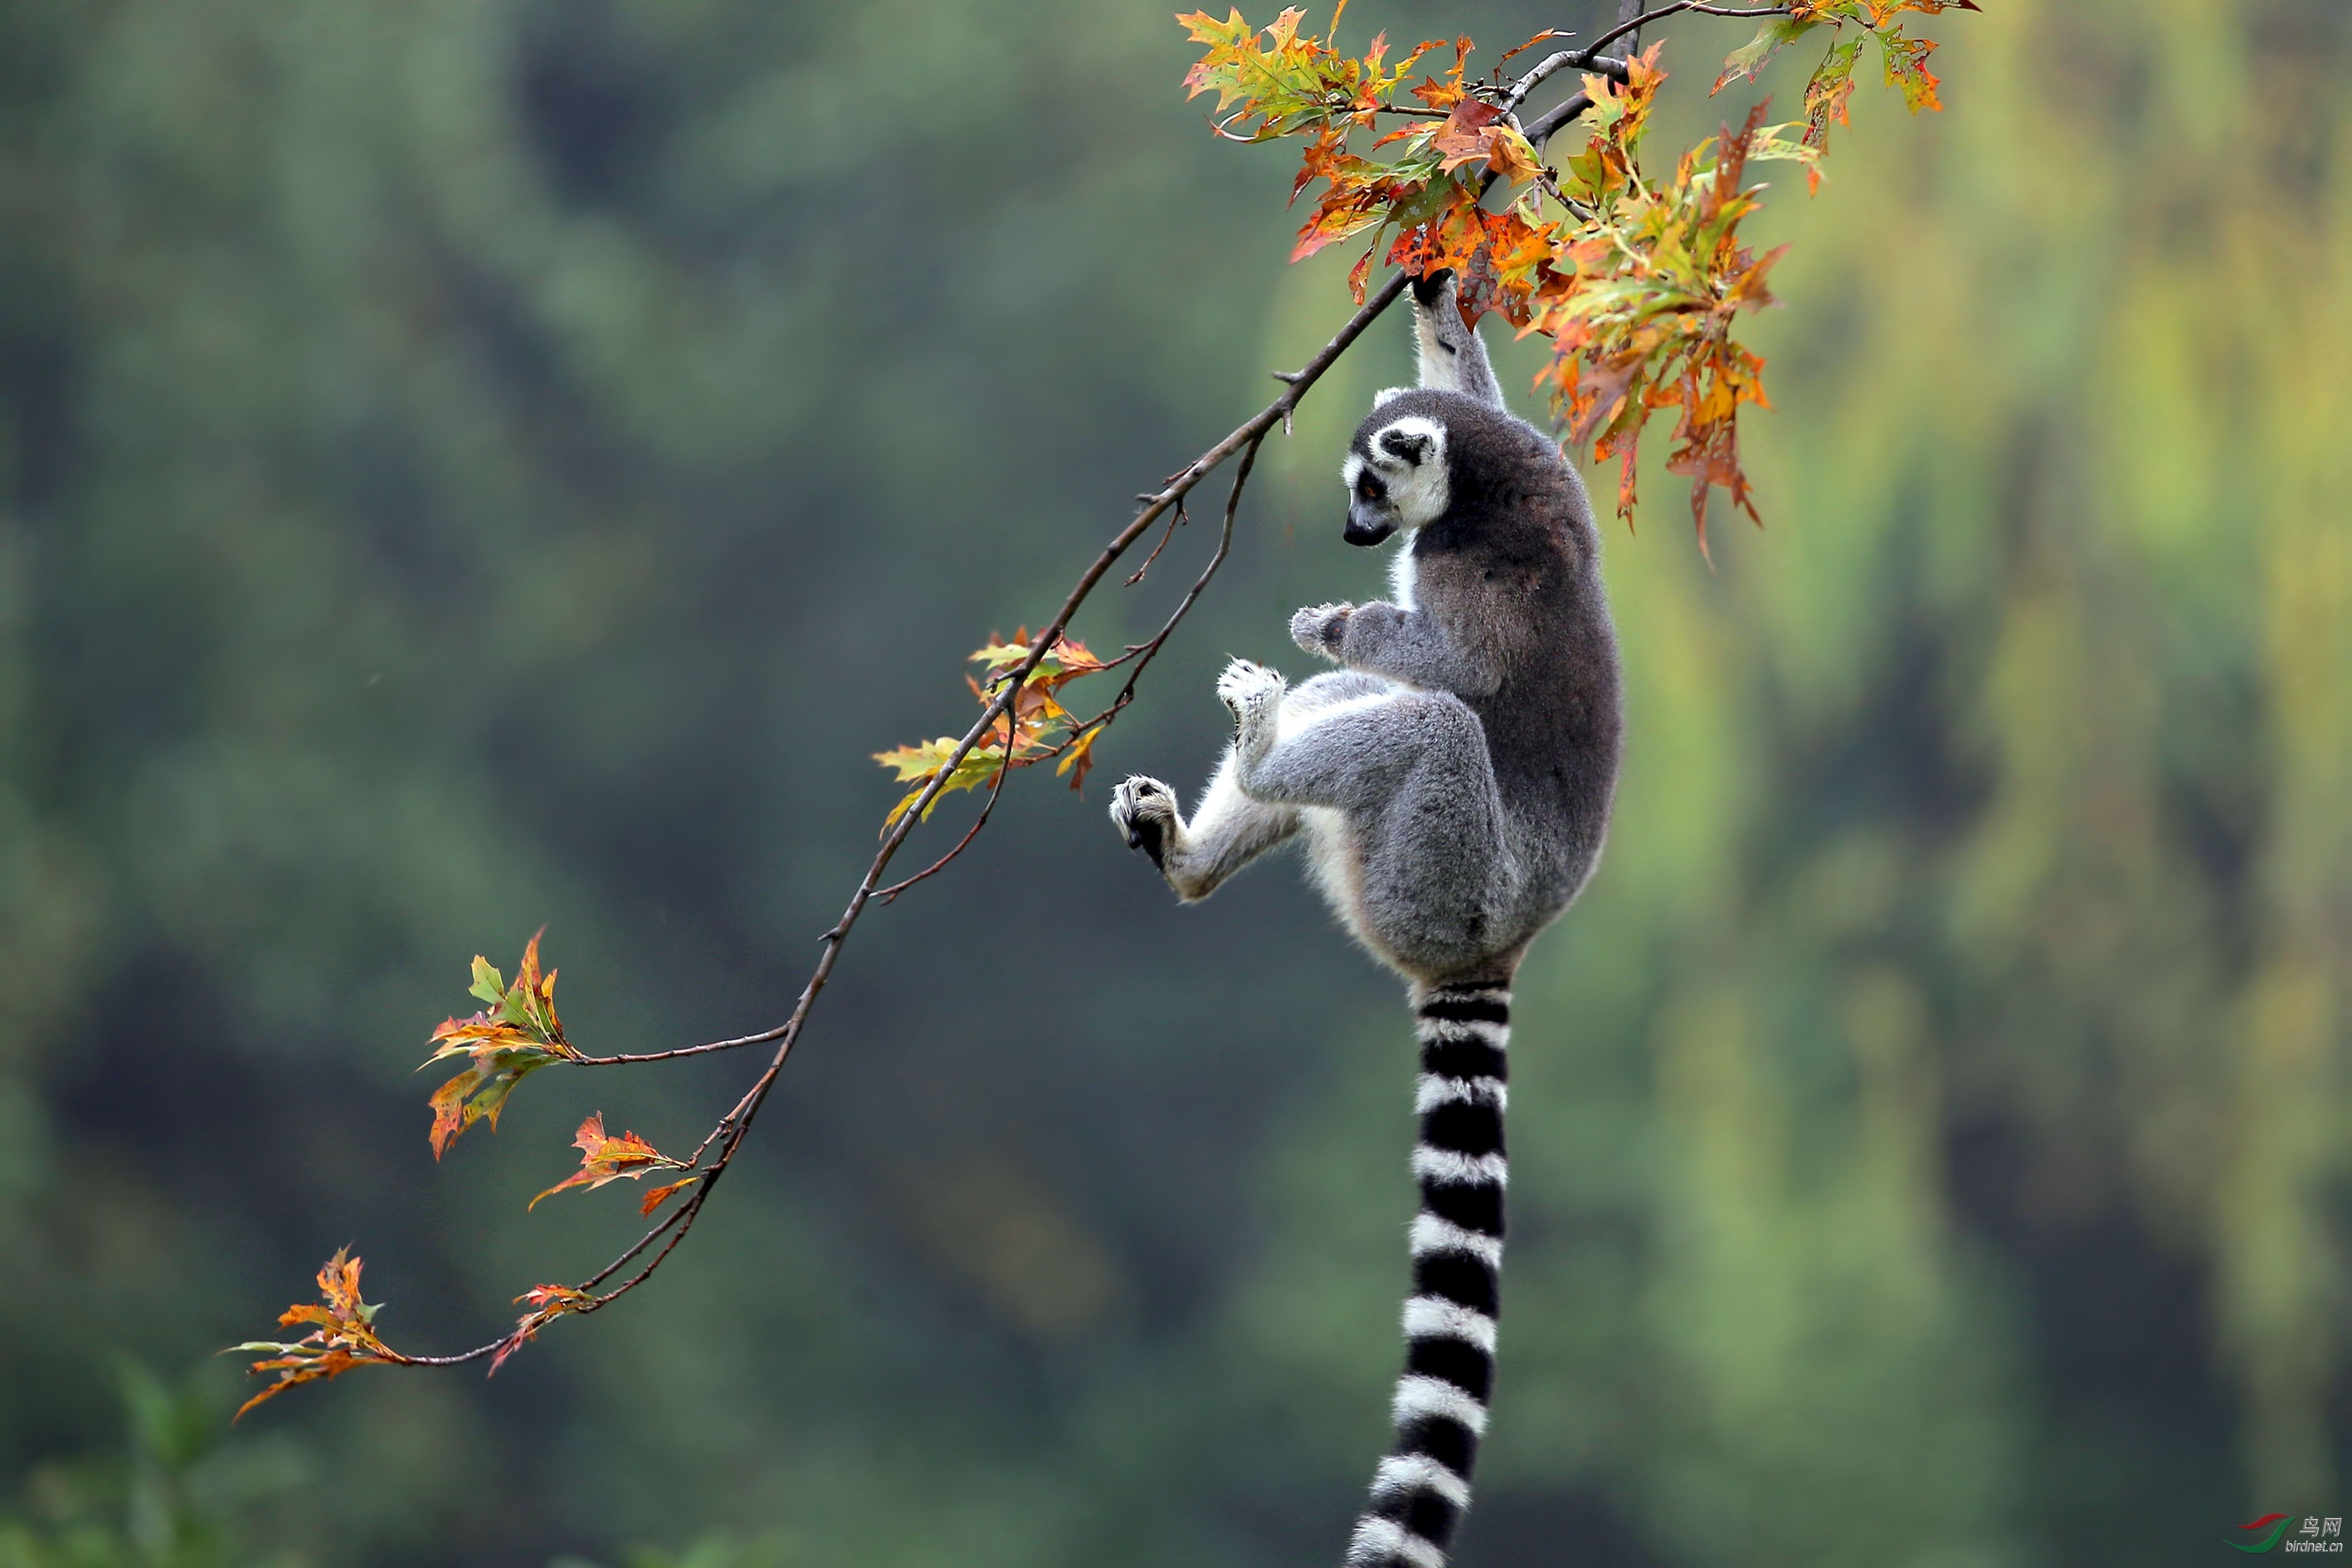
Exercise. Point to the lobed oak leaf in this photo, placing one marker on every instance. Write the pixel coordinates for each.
(1510, 155)
(1444, 94)
(921, 760)
(1080, 758)
(1438, 94)
(980, 765)
(1827, 93)
(1776, 33)
(1906, 68)
(1463, 138)
(604, 1159)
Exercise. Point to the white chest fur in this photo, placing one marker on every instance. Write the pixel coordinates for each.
(1401, 575)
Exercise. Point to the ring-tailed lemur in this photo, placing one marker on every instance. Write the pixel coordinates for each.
(1453, 782)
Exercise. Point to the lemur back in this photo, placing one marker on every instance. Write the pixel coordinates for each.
(1451, 781)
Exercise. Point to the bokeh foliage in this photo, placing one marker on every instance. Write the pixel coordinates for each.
(468, 465)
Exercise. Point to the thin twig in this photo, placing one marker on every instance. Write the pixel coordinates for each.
(1631, 27)
(626, 1057)
(1145, 652)
(1166, 534)
(1543, 69)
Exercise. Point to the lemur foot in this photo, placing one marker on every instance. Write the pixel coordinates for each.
(1144, 812)
(1321, 628)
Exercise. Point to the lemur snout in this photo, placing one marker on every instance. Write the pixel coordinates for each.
(1363, 529)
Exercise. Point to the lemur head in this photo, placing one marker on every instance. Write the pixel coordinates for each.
(1395, 471)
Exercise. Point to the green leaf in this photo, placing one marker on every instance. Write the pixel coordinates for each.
(1775, 35)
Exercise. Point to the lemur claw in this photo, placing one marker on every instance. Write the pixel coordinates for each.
(1321, 628)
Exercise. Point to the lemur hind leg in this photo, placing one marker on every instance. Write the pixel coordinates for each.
(1229, 829)
(1428, 880)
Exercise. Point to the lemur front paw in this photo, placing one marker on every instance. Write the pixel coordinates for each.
(1144, 812)
(1251, 693)
(1321, 628)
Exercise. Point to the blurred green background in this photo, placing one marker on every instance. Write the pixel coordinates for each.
(472, 463)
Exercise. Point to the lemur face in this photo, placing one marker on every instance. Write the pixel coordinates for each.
(1395, 479)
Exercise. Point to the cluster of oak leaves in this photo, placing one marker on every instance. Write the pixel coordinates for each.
(1635, 280)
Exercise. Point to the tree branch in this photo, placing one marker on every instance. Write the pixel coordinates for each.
(1243, 440)
(731, 1129)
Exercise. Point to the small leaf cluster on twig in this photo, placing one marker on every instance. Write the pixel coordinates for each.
(604, 1159)
(342, 1335)
(1036, 726)
(519, 1034)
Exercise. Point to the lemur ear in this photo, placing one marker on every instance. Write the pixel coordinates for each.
(1414, 447)
(1386, 393)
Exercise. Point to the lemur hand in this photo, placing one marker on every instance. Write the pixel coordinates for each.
(1321, 628)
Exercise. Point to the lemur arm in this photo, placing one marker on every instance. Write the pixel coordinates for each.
(1453, 356)
(1380, 638)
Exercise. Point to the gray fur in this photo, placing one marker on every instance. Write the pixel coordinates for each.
(1454, 779)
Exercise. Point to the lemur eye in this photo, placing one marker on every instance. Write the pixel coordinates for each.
(1369, 487)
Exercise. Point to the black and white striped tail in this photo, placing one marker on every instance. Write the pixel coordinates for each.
(1423, 1486)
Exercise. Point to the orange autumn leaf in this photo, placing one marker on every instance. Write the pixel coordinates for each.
(604, 1159)
(660, 1195)
(1464, 138)
(342, 1335)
